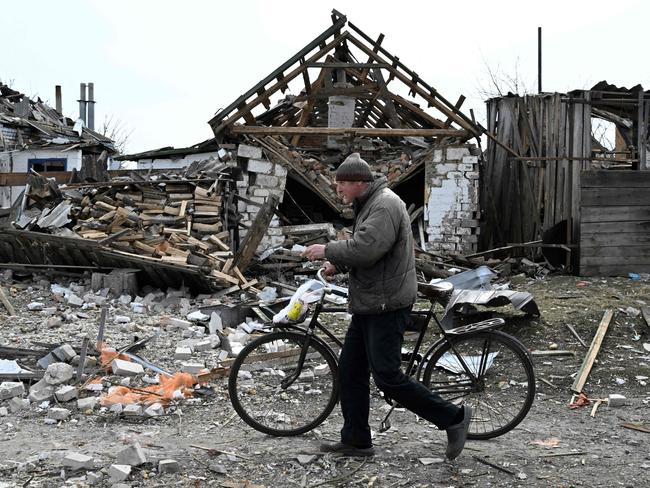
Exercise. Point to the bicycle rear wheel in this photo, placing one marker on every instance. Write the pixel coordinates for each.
(271, 395)
(501, 388)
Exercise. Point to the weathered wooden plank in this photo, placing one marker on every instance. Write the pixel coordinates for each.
(637, 227)
(614, 260)
(614, 239)
(355, 131)
(639, 251)
(615, 213)
(615, 179)
(588, 361)
(615, 196)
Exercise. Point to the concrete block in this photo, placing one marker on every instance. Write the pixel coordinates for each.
(58, 373)
(41, 391)
(17, 404)
(260, 166)
(261, 192)
(192, 368)
(76, 460)
(94, 477)
(66, 393)
(4, 412)
(168, 466)
(437, 155)
(64, 352)
(267, 181)
(126, 368)
(457, 153)
(87, 403)
(155, 410)
(58, 413)
(10, 389)
(280, 171)
(119, 472)
(246, 151)
(444, 168)
(171, 323)
(204, 345)
(116, 408)
(473, 160)
(46, 360)
(132, 455)
(615, 400)
(132, 410)
(35, 306)
(74, 300)
(183, 352)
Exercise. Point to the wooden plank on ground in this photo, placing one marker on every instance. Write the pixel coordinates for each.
(5, 301)
(583, 372)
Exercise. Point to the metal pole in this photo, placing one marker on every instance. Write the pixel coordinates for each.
(91, 106)
(82, 102)
(539, 60)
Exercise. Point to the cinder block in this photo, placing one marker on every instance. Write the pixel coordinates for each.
(64, 352)
(261, 167)
(168, 466)
(267, 181)
(119, 472)
(75, 461)
(17, 404)
(437, 155)
(261, 192)
(204, 345)
(246, 151)
(183, 352)
(126, 368)
(457, 153)
(10, 389)
(155, 410)
(473, 160)
(192, 368)
(94, 478)
(280, 171)
(66, 393)
(132, 456)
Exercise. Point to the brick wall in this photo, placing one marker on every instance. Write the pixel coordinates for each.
(451, 200)
(261, 178)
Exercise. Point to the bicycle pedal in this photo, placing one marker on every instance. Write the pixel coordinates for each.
(385, 425)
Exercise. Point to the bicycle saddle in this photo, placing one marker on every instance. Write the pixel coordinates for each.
(440, 291)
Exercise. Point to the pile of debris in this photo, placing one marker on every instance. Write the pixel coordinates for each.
(174, 219)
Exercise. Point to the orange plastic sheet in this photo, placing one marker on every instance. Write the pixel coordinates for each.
(179, 385)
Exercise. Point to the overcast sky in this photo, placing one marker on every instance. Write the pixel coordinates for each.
(163, 68)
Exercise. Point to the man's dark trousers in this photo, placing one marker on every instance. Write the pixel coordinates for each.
(373, 344)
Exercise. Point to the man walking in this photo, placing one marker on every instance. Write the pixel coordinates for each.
(379, 258)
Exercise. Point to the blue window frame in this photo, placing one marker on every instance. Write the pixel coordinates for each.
(47, 165)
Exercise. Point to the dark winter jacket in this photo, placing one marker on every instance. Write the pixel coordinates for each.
(379, 255)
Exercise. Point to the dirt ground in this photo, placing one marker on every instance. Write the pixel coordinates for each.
(555, 446)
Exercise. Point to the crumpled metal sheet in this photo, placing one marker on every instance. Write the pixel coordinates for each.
(521, 300)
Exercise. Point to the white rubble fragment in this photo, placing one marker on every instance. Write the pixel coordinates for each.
(10, 389)
(138, 308)
(155, 410)
(183, 352)
(119, 472)
(53, 322)
(122, 319)
(76, 460)
(88, 403)
(125, 299)
(4, 412)
(58, 413)
(74, 300)
(40, 391)
(126, 368)
(94, 477)
(66, 393)
(204, 345)
(615, 400)
(216, 324)
(35, 306)
(168, 466)
(116, 408)
(198, 316)
(17, 404)
(58, 373)
(152, 380)
(132, 410)
(192, 368)
(171, 323)
(132, 455)
(64, 352)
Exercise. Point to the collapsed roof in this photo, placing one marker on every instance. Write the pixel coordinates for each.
(31, 123)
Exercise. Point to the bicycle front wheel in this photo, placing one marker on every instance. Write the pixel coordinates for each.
(489, 371)
(275, 392)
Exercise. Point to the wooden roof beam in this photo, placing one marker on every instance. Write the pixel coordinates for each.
(353, 131)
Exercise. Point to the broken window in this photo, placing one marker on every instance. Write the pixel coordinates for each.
(47, 165)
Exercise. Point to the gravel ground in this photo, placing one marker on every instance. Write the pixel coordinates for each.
(555, 446)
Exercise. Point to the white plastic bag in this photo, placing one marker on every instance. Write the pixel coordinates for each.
(309, 292)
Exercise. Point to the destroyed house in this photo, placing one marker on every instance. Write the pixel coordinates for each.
(552, 182)
(35, 136)
(343, 93)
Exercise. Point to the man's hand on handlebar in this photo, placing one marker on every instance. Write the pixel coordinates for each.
(329, 269)
(314, 252)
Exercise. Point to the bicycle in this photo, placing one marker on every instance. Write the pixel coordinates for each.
(284, 383)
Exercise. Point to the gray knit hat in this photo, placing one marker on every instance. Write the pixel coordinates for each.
(354, 169)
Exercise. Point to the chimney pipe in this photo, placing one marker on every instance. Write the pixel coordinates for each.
(82, 102)
(57, 96)
(91, 106)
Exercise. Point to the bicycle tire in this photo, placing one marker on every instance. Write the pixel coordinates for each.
(503, 392)
(256, 390)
